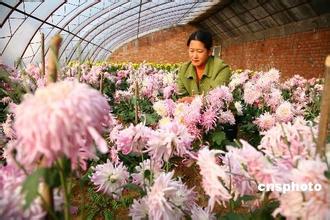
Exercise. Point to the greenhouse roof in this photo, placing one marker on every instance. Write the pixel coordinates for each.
(91, 30)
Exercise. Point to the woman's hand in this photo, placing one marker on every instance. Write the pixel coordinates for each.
(187, 99)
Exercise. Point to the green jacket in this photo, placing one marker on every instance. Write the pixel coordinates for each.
(216, 73)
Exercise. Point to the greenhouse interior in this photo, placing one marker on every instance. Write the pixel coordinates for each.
(200, 109)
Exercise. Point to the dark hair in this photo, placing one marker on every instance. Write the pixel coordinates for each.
(203, 36)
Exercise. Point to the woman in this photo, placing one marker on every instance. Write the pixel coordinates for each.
(203, 72)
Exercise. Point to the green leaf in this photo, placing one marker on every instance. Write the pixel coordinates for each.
(218, 137)
(52, 177)
(234, 216)
(327, 174)
(31, 185)
(91, 215)
(108, 215)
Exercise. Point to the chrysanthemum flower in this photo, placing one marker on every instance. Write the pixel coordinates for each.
(58, 120)
(133, 139)
(209, 119)
(139, 209)
(7, 127)
(215, 180)
(284, 112)
(251, 93)
(110, 178)
(170, 139)
(146, 167)
(265, 121)
(11, 198)
(163, 196)
(199, 213)
(227, 117)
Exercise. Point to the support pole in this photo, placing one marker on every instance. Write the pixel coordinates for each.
(43, 64)
(324, 115)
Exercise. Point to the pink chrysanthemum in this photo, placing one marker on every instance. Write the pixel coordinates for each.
(110, 178)
(198, 213)
(209, 119)
(58, 120)
(7, 127)
(227, 117)
(139, 209)
(265, 121)
(172, 138)
(251, 93)
(290, 141)
(218, 96)
(6, 100)
(165, 196)
(214, 176)
(133, 139)
(11, 198)
(168, 91)
(274, 98)
(194, 109)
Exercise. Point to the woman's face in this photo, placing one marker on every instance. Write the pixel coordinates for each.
(198, 54)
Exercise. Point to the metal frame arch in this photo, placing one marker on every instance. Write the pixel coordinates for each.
(132, 21)
(115, 41)
(65, 24)
(57, 6)
(78, 44)
(88, 22)
(164, 11)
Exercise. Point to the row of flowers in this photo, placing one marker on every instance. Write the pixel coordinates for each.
(63, 121)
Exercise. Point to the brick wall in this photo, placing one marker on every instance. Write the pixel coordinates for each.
(300, 53)
(165, 46)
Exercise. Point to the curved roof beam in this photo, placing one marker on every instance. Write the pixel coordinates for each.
(132, 22)
(18, 44)
(187, 7)
(87, 22)
(110, 38)
(110, 20)
(67, 22)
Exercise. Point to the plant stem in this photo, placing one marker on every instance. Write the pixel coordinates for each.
(66, 195)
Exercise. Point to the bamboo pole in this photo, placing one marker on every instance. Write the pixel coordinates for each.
(325, 107)
(43, 64)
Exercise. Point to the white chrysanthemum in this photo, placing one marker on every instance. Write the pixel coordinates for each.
(109, 178)
(145, 173)
(160, 108)
(284, 112)
(239, 108)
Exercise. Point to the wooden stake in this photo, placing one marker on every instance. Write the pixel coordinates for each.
(101, 82)
(325, 107)
(43, 64)
(136, 102)
(53, 58)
